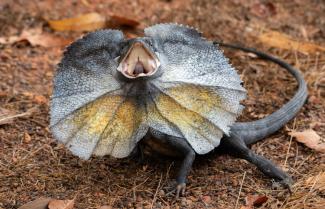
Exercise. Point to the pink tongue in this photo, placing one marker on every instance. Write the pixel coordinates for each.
(138, 68)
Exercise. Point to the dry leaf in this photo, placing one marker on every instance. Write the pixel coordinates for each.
(36, 37)
(254, 200)
(283, 41)
(105, 207)
(40, 203)
(40, 99)
(206, 199)
(310, 138)
(37, 98)
(117, 21)
(61, 204)
(3, 94)
(318, 181)
(27, 137)
(86, 22)
(263, 9)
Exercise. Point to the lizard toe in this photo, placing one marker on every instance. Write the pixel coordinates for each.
(180, 190)
(286, 183)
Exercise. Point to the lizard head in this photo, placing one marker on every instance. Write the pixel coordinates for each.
(138, 59)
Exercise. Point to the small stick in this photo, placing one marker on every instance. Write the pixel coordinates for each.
(241, 186)
(155, 196)
(287, 155)
(6, 119)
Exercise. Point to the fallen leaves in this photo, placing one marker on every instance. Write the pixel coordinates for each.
(264, 9)
(86, 22)
(116, 21)
(27, 137)
(206, 199)
(90, 22)
(61, 204)
(37, 98)
(105, 207)
(254, 200)
(310, 138)
(48, 203)
(40, 203)
(36, 37)
(283, 41)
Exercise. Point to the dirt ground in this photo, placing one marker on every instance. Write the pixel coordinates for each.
(33, 164)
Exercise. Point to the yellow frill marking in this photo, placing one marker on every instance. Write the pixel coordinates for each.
(112, 120)
(201, 100)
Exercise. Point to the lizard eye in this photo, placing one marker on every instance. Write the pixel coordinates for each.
(150, 42)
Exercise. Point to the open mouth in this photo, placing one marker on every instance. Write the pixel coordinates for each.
(139, 61)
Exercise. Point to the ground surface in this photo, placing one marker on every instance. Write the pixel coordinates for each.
(33, 165)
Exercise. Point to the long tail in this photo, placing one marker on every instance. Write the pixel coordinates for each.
(253, 131)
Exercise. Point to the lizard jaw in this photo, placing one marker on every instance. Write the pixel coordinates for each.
(139, 61)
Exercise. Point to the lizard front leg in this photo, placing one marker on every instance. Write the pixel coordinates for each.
(240, 149)
(184, 150)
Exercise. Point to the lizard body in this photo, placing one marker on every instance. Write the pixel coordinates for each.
(171, 89)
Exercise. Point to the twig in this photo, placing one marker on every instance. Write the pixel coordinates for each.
(156, 193)
(7, 119)
(32, 153)
(287, 155)
(241, 186)
(304, 160)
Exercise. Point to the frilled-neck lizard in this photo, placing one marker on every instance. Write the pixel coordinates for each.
(171, 87)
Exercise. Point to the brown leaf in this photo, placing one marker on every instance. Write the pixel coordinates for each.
(36, 37)
(254, 200)
(27, 137)
(105, 207)
(117, 21)
(257, 200)
(310, 138)
(206, 199)
(37, 98)
(246, 207)
(40, 99)
(263, 9)
(86, 22)
(283, 41)
(61, 204)
(40, 203)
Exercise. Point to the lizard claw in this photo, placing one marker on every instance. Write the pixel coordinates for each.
(180, 189)
(286, 183)
(177, 188)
